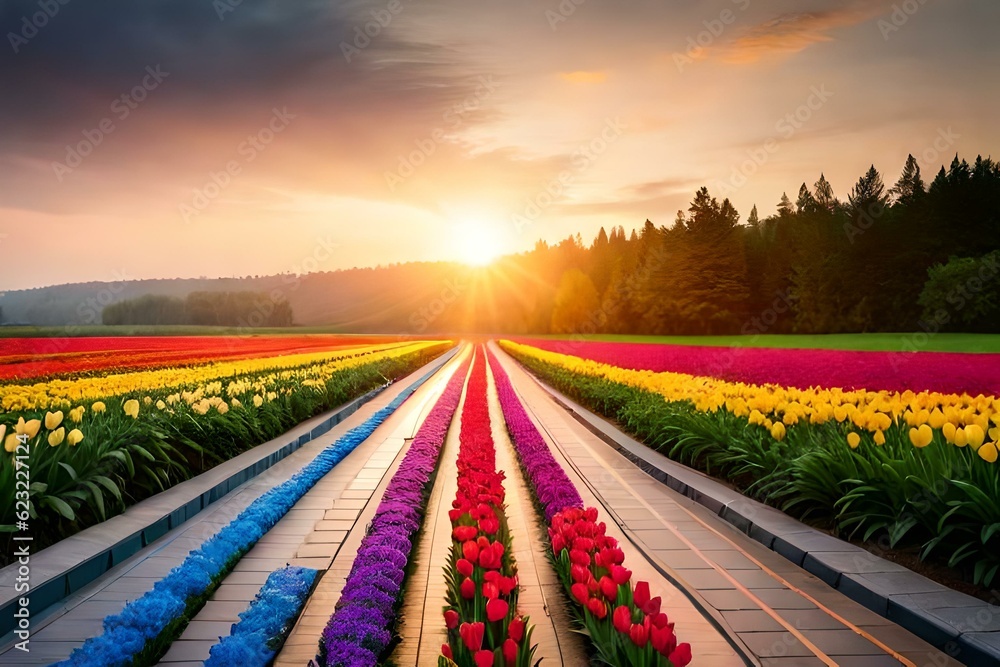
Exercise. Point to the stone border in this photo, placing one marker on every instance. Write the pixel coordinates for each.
(964, 627)
(76, 561)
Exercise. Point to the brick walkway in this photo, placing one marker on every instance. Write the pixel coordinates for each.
(773, 610)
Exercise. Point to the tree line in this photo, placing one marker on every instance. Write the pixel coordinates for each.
(229, 309)
(904, 257)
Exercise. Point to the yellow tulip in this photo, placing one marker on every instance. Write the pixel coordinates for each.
(3, 429)
(131, 408)
(879, 437)
(76, 414)
(975, 435)
(778, 431)
(222, 408)
(236, 403)
(53, 419)
(98, 406)
(988, 452)
(74, 437)
(922, 436)
(57, 436)
(28, 428)
(11, 443)
(160, 405)
(258, 401)
(853, 439)
(995, 433)
(961, 440)
(949, 430)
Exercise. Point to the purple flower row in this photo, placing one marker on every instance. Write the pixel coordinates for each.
(361, 626)
(553, 488)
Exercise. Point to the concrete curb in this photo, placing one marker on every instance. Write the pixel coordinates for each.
(964, 627)
(76, 561)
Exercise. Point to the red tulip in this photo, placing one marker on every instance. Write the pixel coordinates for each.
(579, 557)
(580, 592)
(620, 575)
(464, 567)
(446, 652)
(597, 607)
(641, 595)
(489, 525)
(516, 629)
(464, 533)
(609, 588)
(472, 635)
(484, 658)
(663, 640)
(468, 589)
(451, 619)
(470, 550)
(639, 635)
(681, 656)
(622, 619)
(496, 609)
(661, 621)
(558, 544)
(590, 514)
(507, 585)
(580, 573)
(490, 590)
(510, 652)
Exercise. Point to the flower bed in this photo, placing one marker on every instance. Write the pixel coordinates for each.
(262, 628)
(948, 372)
(484, 627)
(91, 459)
(360, 629)
(910, 470)
(624, 624)
(141, 632)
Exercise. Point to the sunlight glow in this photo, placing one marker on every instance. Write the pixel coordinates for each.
(477, 243)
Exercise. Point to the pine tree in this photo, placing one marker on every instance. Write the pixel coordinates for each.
(910, 186)
(869, 196)
(785, 208)
(806, 203)
(753, 220)
(825, 198)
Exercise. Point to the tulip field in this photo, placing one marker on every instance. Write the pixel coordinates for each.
(106, 422)
(895, 449)
(820, 436)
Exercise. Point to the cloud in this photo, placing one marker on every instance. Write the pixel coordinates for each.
(791, 33)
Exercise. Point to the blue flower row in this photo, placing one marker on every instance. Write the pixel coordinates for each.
(255, 639)
(126, 633)
(360, 629)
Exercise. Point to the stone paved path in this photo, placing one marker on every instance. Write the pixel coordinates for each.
(775, 611)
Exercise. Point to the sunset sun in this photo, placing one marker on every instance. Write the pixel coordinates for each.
(477, 243)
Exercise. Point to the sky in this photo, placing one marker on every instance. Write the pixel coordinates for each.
(186, 138)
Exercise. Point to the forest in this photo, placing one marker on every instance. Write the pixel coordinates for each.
(904, 257)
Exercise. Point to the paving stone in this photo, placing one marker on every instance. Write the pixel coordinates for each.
(842, 642)
(775, 645)
(752, 621)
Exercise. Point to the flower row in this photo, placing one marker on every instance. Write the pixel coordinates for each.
(625, 626)
(254, 640)
(361, 627)
(484, 628)
(183, 591)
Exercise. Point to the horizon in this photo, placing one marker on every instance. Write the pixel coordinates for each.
(288, 128)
